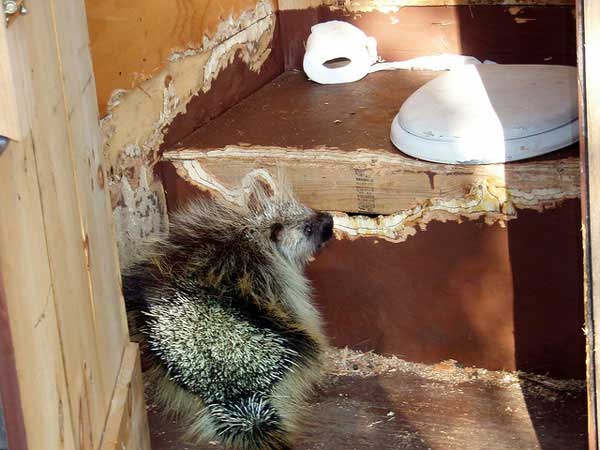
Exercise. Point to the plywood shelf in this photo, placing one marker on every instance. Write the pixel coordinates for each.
(333, 141)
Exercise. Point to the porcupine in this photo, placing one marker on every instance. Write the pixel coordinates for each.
(223, 309)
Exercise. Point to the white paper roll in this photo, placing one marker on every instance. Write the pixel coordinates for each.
(338, 52)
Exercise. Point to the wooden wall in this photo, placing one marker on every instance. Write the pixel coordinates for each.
(164, 70)
(152, 59)
(176, 80)
(61, 303)
(589, 71)
(454, 285)
(131, 42)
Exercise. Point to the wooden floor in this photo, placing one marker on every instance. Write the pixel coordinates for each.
(439, 408)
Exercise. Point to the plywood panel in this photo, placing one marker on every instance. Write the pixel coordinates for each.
(132, 41)
(333, 141)
(507, 35)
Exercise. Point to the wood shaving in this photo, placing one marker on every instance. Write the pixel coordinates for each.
(344, 362)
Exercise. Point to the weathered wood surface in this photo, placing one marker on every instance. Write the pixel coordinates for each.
(30, 304)
(589, 42)
(12, 124)
(57, 250)
(418, 407)
(504, 34)
(127, 409)
(90, 174)
(132, 42)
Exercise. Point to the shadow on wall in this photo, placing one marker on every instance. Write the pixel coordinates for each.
(544, 249)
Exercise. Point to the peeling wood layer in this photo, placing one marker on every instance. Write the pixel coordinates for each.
(136, 123)
(491, 203)
(132, 41)
(404, 193)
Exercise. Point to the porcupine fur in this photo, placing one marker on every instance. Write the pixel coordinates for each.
(223, 309)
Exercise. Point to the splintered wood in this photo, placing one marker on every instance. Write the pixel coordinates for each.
(369, 401)
(333, 143)
(137, 119)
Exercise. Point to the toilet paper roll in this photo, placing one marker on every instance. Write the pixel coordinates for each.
(338, 52)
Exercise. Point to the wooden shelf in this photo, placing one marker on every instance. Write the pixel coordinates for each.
(333, 141)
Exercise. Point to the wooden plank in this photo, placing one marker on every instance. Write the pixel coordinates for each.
(12, 120)
(83, 289)
(30, 303)
(393, 5)
(66, 242)
(589, 48)
(11, 410)
(127, 426)
(86, 152)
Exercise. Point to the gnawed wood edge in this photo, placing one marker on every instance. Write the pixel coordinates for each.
(492, 193)
(126, 425)
(484, 201)
(135, 126)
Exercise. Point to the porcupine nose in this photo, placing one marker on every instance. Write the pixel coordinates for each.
(326, 225)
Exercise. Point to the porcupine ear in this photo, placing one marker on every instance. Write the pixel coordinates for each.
(259, 194)
(276, 232)
(264, 189)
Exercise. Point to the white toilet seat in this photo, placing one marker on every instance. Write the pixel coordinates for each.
(483, 114)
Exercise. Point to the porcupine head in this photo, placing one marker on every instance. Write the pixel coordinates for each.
(227, 317)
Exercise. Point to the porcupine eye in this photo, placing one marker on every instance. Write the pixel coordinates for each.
(308, 229)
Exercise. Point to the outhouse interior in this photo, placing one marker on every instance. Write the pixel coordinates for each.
(452, 294)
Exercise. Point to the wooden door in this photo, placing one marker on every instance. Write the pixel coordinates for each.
(69, 377)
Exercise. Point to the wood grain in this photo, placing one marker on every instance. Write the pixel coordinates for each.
(30, 303)
(589, 39)
(132, 41)
(81, 118)
(12, 122)
(403, 410)
(127, 407)
(57, 253)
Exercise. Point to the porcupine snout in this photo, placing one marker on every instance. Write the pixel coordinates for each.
(325, 222)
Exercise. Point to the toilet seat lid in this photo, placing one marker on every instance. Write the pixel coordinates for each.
(490, 113)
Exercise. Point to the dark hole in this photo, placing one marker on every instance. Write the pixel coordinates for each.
(337, 62)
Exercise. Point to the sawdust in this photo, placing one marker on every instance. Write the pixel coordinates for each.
(343, 362)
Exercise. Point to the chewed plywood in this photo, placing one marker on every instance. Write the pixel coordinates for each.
(338, 137)
(131, 42)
